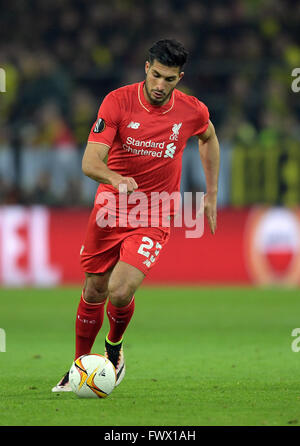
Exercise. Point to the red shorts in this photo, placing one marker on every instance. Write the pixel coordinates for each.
(104, 247)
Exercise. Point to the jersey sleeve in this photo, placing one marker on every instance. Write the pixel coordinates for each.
(202, 118)
(105, 127)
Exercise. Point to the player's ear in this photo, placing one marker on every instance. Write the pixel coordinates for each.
(181, 74)
(147, 66)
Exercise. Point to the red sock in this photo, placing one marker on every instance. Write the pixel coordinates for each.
(119, 318)
(89, 319)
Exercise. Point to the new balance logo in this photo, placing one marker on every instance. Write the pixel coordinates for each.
(86, 321)
(170, 150)
(133, 125)
(116, 321)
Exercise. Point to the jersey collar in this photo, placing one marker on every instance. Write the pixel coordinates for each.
(151, 108)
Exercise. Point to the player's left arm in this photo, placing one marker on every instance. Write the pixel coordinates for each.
(209, 150)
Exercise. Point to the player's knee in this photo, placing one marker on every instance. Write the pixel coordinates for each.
(94, 293)
(120, 294)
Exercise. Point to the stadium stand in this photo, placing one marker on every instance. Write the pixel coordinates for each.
(64, 57)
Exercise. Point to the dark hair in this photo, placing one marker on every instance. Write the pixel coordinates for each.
(168, 52)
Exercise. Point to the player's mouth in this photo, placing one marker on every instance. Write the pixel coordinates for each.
(158, 94)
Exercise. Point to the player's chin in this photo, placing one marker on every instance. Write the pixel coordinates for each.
(156, 100)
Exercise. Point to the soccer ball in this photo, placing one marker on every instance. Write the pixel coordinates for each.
(92, 376)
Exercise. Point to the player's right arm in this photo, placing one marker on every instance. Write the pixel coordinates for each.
(100, 140)
(94, 166)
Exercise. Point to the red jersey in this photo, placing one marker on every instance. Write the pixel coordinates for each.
(147, 141)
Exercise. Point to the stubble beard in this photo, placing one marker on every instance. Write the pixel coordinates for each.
(161, 101)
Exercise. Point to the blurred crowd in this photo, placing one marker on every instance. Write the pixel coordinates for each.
(61, 57)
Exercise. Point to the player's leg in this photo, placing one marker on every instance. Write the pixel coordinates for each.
(123, 282)
(138, 254)
(89, 319)
(99, 254)
(90, 311)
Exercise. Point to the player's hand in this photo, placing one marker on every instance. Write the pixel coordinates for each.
(124, 184)
(210, 210)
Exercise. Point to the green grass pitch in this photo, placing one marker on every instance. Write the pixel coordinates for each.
(195, 357)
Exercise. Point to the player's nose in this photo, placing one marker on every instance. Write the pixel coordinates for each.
(160, 86)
